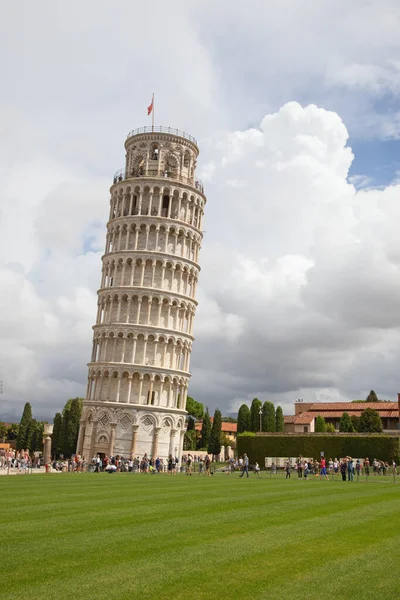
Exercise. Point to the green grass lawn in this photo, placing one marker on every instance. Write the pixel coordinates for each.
(123, 536)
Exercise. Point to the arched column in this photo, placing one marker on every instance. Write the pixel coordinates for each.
(134, 436)
(171, 449)
(181, 446)
(154, 451)
(81, 437)
(112, 439)
(130, 379)
(118, 387)
(93, 440)
(140, 390)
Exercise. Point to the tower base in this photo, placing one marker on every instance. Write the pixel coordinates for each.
(130, 431)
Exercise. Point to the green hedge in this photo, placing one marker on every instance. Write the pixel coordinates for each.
(383, 447)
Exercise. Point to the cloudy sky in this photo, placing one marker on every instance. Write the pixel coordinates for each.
(296, 108)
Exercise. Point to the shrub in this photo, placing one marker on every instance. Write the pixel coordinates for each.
(257, 447)
(320, 424)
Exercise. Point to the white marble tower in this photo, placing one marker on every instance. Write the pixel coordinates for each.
(139, 369)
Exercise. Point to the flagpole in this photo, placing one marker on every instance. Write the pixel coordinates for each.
(152, 115)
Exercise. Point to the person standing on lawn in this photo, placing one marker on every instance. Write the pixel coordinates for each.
(343, 469)
(170, 462)
(189, 465)
(323, 472)
(350, 469)
(287, 469)
(245, 465)
(207, 462)
(300, 467)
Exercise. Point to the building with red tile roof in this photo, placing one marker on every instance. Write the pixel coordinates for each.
(229, 429)
(303, 421)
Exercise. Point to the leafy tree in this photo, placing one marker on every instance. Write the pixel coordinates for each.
(268, 416)
(12, 432)
(194, 408)
(320, 424)
(330, 428)
(3, 431)
(346, 425)
(370, 421)
(279, 420)
(229, 420)
(205, 429)
(372, 397)
(255, 415)
(355, 422)
(23, 430)
(243, 420)
(225, 440)
(57, 444)
(214, 444)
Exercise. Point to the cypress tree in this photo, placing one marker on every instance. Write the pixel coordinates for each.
(30, 438)
(57, 435)
(280, 421)
(268, 416)
(346, 425)
(190, 424)
(243, 419)
(205, 429)
(320, 424)
(214, 445)
(74, 417)
(39, 436)
(255, 415)
(35, 442)
(24, 427)
(70, 425)
(64, 429)
(372, 397)
(355, 421)
(189, 440)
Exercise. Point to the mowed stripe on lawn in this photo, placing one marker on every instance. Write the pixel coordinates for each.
(120, 536)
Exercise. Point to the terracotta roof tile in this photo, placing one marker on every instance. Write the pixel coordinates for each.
(289, 418)
(226, 427)
(304, 418)
(352, 406)
(336, 414)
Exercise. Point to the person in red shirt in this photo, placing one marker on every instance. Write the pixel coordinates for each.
(322, 471)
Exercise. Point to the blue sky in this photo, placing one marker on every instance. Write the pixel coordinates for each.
(378, 159)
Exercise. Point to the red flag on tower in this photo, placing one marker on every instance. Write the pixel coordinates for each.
(150, 108)
(150, 111)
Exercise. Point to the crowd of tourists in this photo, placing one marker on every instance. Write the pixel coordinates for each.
(347, 466)
(19, 460)
(146, 464)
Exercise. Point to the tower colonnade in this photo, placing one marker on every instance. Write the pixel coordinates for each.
(140, 365)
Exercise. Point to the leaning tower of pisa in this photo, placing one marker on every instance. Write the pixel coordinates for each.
(140, 365)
